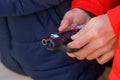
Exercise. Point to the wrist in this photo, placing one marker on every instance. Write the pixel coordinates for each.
(89, 13)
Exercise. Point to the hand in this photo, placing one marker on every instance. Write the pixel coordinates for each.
(98, 39)
(73, 18)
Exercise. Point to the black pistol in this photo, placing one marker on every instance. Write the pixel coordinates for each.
(58, 41)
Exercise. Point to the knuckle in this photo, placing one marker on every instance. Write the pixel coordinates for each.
(95, 33)
(100, 61)
(80, 58)
(107, 49)
(89, 58)
(76, 44)
(101, 43)
(71, 55)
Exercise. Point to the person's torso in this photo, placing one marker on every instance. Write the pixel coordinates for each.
(21, 41)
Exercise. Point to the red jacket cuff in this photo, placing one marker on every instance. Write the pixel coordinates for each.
(114, 16)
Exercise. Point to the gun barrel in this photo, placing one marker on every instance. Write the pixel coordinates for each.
(60, 39)
(44, 42)
(50, 44)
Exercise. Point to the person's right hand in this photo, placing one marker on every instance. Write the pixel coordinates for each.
(73, 18)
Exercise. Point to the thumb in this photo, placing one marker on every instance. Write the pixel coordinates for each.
(64, 25)
(67, 21)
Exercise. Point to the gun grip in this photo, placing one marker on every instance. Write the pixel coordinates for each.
(67, 49)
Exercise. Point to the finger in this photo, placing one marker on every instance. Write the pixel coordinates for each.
(86, 50)
(103, 50)
(86, 32)
(105, 58)
(96, 54)
(67, 21)
(80, 41)
(64, 25)
(72, 55)
(84, 36)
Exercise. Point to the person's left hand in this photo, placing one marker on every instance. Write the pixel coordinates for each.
(98, 39)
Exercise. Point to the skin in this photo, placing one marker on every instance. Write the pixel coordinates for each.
(97, 36)
(73, 18)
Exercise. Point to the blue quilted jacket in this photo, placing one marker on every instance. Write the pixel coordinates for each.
(23, 24)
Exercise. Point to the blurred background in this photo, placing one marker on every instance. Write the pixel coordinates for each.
(105, 74)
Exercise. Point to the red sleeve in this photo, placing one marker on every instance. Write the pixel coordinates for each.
(97, 7)
(114, 16)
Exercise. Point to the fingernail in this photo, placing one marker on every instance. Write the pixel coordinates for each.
(69, 45)
(75, 36)
(62, 26)
(59, 28)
